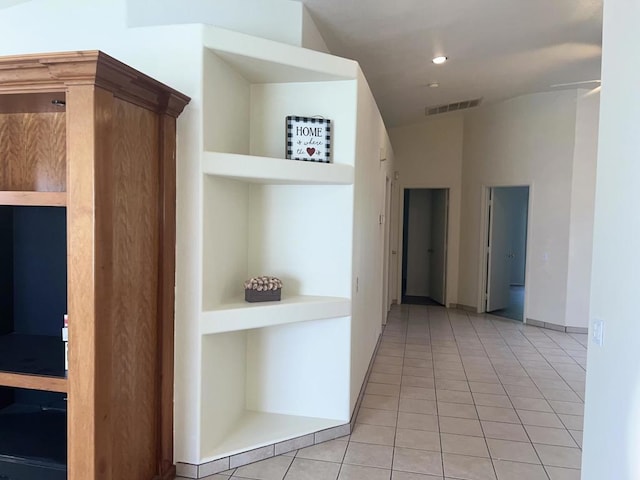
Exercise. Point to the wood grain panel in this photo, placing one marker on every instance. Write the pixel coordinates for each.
(134, 312)
(105, 280)
(83, 380)
(167, 279)
(33, 152)
(33, 382)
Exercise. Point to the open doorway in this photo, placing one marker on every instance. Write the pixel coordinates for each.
(508, 211)
(424, 245)
(386, 296)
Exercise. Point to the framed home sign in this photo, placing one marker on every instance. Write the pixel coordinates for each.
(309, 139)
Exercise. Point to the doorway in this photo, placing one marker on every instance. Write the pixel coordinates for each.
(424, 245)
(508, 212)
(386, 297)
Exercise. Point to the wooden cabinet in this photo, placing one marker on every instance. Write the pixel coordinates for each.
(87, 226)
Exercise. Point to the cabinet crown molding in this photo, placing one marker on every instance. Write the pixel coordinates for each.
(53, 72)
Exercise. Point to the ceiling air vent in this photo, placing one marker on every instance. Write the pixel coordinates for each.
(452, 107)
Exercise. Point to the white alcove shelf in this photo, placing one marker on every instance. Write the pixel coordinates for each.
(257, 429)
(251, 85)
(273, 371)
(301, 234)
(241, 315)
(275, 171)
(259, 60)
(266, 385)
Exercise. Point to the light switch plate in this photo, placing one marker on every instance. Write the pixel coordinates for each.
(597, 333)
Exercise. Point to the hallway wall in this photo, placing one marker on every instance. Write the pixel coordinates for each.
(523, 141)
(612, 407)
(429, 155)
(583, 193)
(544, 140)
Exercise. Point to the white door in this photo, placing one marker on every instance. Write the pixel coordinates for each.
(438, 245)
(499, 274)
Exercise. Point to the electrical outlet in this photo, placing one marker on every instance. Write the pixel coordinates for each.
(597, 332)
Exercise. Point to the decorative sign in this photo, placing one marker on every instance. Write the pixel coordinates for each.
(309, 139)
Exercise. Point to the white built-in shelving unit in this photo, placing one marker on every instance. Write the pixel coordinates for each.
(276, 370)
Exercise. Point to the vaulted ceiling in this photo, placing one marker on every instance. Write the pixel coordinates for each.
(497, 49)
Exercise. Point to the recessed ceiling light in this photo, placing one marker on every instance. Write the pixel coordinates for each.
(433, 85)
(439, 60)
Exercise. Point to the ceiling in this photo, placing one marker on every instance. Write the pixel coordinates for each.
(497, 49)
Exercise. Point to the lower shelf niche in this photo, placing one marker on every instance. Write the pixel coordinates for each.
(257, 429)
(279, 382)
(33, 434)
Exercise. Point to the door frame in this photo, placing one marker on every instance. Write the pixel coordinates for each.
(386, 265)
(483, 268)
(400, 231)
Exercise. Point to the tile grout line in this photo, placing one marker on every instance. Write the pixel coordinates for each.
(395, 430)
(529, 377)
(493, 465)
(435, 390)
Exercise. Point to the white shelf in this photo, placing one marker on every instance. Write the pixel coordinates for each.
(264, 61)
(257, 429)
(241, 315)
(276, 171)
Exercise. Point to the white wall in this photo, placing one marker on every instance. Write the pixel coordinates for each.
(429, 155)
(583, 187)
(279, 20)
(283, 21)
(311, 36)
(546, 141)
(418, 242)
(527, 140)
(612, 410)
(368, 234)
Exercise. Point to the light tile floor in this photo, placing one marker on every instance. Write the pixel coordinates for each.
(455, 395)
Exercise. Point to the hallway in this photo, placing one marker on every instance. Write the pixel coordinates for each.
(455, 395)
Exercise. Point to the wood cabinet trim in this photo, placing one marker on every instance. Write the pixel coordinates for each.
(53, 71)
(33, 199)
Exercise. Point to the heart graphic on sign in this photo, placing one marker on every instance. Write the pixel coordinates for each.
(311, 151)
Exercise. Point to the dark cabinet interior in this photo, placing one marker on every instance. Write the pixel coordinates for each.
(33, 289)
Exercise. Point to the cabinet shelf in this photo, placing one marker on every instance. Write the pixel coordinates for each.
(241, 315)
(34, 199)
(276, 171)
(257, 429)
(33, 382)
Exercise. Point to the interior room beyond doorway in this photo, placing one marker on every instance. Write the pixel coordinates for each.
(506, 253)
(424, 249)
